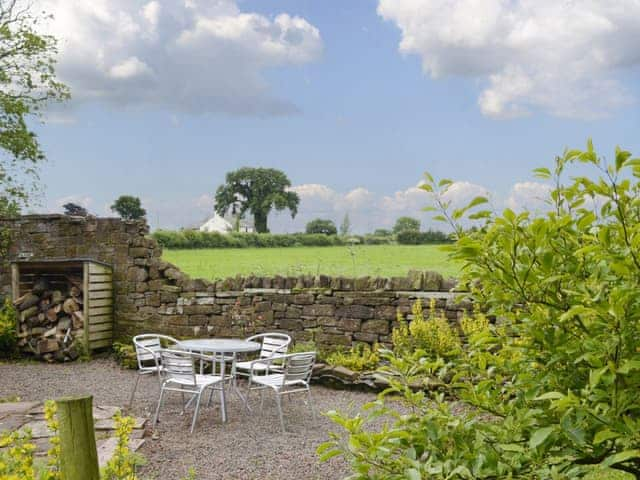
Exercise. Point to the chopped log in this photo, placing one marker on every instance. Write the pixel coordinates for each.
(56, 297)
(75, 291)
(27, 301)
(47, 346)
(70, 306)
(30, 312)
(78, 319)
(50, 333)
(52, 313)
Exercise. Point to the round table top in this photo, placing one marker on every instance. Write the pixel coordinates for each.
(219, 345)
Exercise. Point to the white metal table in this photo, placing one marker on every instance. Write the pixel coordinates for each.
(222, 346)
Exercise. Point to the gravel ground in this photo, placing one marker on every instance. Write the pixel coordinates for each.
(248, 446)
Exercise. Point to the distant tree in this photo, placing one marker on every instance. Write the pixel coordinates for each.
(75, 210)
(382, 232)
(404, 224)
(326, 227)
(345, 226)
(257, 191)
(128, 207)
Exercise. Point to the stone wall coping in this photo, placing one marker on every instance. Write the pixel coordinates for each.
(434, 294)
(283, 291)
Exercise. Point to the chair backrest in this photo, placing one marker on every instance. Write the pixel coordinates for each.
(272, 343)
(178, 365)
(148, 346)
(299, 366)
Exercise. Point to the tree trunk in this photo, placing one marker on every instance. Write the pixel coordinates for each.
(260, 221)
(78, 454)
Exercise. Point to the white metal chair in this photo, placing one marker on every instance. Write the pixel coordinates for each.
(272, 344)
(147, 348)
(179, 374)
(293, 376)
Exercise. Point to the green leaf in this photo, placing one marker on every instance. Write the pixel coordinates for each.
(412, 474)
(444, 182)
(620, 457)
(604, 435)
(543, 173)
(539, 436)
(477, 201)
(550, 396)
(628, 366)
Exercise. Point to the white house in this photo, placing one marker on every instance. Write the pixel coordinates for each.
(216, 224)
(226, 225)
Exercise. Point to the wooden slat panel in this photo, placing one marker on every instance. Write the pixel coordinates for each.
(102, 327)
(100, 336)
(97, 268)
(94, 278)
(96, 319)
(93, 287)
(85, 305)
(100, 311)
(102, 302)
(100, 344)
(101, 294)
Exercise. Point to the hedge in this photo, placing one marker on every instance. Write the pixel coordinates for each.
(193, 239)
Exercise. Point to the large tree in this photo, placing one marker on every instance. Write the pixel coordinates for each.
(128, 207)
(319, 225)
(27, 83)
(257, 191)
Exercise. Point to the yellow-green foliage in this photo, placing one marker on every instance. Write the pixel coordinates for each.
(359, 358)
(122, 464)
(476, 323)
(16, 456)
(53, 455)
(17, 453)
(125, 355)
(434, 335)
(8, 333)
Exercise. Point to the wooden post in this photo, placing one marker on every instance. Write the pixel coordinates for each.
(78, 453)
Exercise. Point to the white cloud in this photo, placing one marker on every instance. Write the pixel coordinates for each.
(531, 196)
(193, 56)
(558, 56)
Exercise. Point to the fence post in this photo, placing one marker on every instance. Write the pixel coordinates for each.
(78, 454)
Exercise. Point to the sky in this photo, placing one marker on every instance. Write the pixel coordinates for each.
(352, 99)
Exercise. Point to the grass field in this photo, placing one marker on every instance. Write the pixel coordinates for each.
(372, 260)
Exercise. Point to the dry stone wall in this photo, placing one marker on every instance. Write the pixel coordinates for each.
(153, 295)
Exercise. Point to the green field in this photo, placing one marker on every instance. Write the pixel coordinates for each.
(371, 260)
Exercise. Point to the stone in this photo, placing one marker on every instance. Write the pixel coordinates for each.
(325, 310)
(303, 299)
(433, 281)
(376, 326)
(415, 279)
(349, 324)
(355, 311)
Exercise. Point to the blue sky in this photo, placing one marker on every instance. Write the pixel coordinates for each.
(348, 113)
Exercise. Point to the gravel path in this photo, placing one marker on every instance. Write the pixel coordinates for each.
(249, 446)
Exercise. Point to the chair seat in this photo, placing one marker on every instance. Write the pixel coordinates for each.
(202, 381)
(275, 381)
(257, 366)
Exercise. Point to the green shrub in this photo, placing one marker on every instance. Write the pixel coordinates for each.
(319, 225)
(414, 237)
(125, 354)
(433, 335)
(8, 329)
(359, 358)
(552, 388)
(193, 239)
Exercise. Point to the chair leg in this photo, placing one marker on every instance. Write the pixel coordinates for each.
(313, 410)
(133, 393)
(195, 413)
(278, 402)
(261, 398)
(155, 418)
(184, 404)
(223, 405)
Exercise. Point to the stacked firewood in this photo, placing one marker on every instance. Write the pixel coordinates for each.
(51, 319)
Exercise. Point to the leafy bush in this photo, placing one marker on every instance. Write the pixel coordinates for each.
(433, 335)
(192, 239)
(8, 329)
(325, 227)
(361, 357)
(377, 240)
(551, 390)
(414, 237)
(125, 354)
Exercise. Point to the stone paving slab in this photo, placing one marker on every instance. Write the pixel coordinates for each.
(30, 415)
